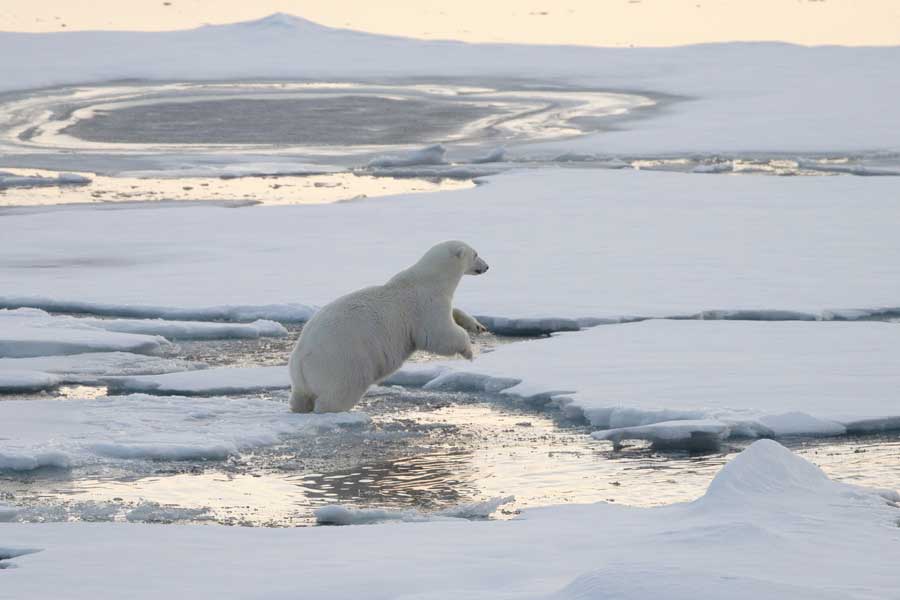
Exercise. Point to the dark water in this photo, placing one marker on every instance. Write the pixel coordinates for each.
(331, 121)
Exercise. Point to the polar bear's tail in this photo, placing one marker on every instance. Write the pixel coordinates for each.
(302, 399)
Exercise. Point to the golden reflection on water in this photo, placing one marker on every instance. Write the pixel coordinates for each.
(268, 190)
(584, 22)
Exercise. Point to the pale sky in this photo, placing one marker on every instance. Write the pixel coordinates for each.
(589, 22)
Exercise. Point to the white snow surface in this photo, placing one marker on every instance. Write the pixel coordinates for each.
(667, 380)
(770, 525)
(59, 433)
(732, 97)
(561, 243)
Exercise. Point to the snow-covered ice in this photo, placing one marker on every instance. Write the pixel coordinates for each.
(693, 382)
(769, 526)
(59, 433)
(563, 243)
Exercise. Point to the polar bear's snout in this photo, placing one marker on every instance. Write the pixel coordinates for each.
(479, 266)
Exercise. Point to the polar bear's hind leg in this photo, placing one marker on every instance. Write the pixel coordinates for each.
(339, 399)
(302, 401)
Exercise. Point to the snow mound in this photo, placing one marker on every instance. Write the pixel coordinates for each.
(766, 468)
(430, 155)
(344, 515)
(39, 433)
(29, 332)
(205, 382)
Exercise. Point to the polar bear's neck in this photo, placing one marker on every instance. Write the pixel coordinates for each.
(424, 274)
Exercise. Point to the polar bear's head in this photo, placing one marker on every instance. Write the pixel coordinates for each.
(455, 256)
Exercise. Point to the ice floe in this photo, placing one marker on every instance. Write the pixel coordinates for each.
(58, 433)
(46, 372)
(186, 330)
(769, 526)
(206, 382)
(31, 333)
(11, 180)
(692, 383)
(564, 244)
(432, 155)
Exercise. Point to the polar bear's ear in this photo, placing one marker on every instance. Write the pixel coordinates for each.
(458, 251)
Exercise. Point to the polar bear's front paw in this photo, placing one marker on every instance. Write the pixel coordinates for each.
(467, 353)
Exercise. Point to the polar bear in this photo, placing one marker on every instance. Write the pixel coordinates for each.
(361, 338)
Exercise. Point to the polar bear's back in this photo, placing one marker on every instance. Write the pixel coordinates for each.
(358, 338)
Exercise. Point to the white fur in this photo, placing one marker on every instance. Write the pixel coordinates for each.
(363, 337)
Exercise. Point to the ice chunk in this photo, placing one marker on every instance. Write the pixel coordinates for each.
(495, 155)
(7, 512)
(430, 155)
(345, 515)
(700, 434)
(9, 180)
(25, 381)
